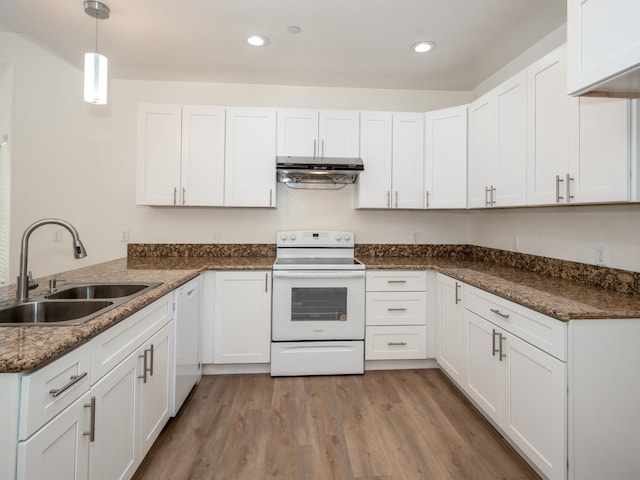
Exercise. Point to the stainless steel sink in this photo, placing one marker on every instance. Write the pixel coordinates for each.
(49, 312)
(72, 305)
(99, 290)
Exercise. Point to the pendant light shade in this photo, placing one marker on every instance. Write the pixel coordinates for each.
(95, 78)
(95, 64)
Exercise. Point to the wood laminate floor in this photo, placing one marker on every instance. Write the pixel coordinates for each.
(407, 424)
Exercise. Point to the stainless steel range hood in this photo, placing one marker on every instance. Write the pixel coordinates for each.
(318, 171)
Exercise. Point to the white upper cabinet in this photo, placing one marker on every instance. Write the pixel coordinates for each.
(392, 147)
(180, 155)
(408, 161)
(550, 145)
(482, 166)
(497, 145)
(312, 133)
(600, 173)
(603, 45)
(374, 184)
(250, 179)
(445, 170)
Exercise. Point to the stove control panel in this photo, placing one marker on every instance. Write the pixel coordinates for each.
(315, 238)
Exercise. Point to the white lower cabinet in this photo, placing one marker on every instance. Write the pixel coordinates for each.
(242, 317)
(95, 412)
(449, 327)
(396, 315)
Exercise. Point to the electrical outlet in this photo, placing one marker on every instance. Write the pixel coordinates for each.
(124, 236)
(515, 243)
(57, 235)
(602, 255)
(415, 237)
(215, 237)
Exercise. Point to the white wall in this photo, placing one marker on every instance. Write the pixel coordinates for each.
(77, 161)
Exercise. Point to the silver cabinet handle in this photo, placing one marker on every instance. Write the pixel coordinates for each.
(151, 355)
(184, 191)
(92, 423)
(558, 197)
(175, 194)
(498, 312)
(487, 192)
(457, 297)
(271, 197)
(427, 199)
(400, 309)
(494, 350)
(396, 198)
(569, 179)
(388, 199)
(266, 282)
(400, 344)
(493, 191)
(502, 355)
(314, 147)
(73, 379)
(396, 281)
(144, 366)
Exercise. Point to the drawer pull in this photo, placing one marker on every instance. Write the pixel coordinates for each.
(400, 309)
(397, 344)
(396, 281)
(73, 379)
(92, 423)
(498, 312)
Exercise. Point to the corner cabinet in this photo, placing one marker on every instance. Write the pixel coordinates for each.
(604, 45)
(445, 158)
(180, 155)
(242, 317)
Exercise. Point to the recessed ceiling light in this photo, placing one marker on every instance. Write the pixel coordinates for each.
(293, 29)
(257, 40)
(422, 47)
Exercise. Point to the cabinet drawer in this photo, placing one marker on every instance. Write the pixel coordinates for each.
(396, 308)
(543, 332)
(396, 281)
(51, 389)
(115, 344)
(395, 343)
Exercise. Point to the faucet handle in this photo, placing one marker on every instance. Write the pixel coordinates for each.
(30, 282)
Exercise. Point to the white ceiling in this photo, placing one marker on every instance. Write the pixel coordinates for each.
(349, 43)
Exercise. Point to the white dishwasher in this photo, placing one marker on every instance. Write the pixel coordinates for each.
(186, 353)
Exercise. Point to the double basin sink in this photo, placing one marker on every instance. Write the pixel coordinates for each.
(73, 304)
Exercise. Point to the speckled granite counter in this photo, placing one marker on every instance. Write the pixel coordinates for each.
(560, 289)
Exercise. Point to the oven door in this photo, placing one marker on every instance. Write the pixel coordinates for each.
(318, 305)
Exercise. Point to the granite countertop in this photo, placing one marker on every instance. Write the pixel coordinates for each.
(27, 348)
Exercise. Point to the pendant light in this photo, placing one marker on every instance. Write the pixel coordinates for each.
(95, 65)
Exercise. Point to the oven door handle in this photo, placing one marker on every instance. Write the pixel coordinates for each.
(319, 274)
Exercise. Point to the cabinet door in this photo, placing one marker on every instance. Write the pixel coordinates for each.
(601, 171)
(60, 449)
(603, 41)
(550, 143)
(339, 134)
(374, 184)
(408, 160)
(155, 387)
(445, 173)
(250, 164)
(484, 375)
(536, 406)
(114, 451)
(511, 142)
(202, 156)
(450, 327)
(482, 151)
(159, 149)
(242, 319)
(298, 133)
